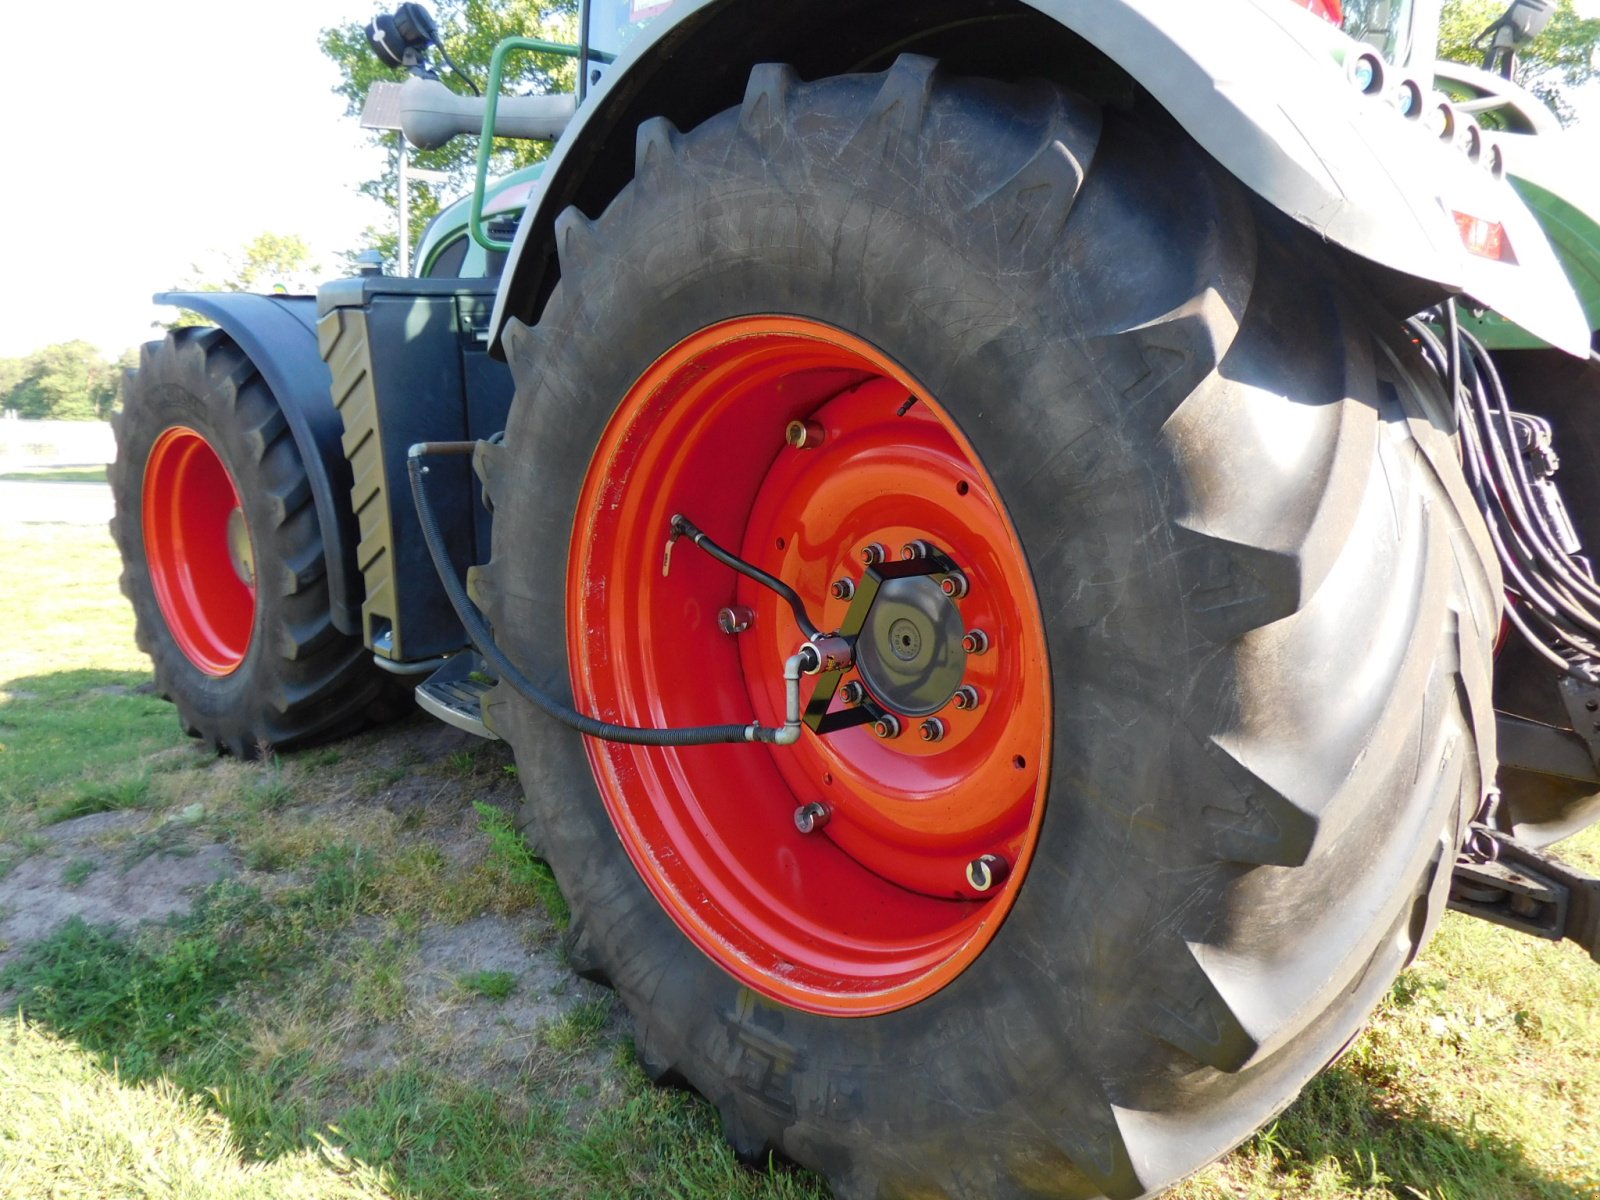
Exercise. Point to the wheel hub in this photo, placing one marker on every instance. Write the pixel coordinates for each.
(909, 652)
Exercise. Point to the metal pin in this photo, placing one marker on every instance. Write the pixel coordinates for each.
(985, 872)
(804, 435)
(735, 620)
(809, 818)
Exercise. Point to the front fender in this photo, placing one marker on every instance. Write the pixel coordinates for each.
(1255, 82)
(279, 335)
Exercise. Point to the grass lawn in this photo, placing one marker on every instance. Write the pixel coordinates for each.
(351, 983)
(96, 474)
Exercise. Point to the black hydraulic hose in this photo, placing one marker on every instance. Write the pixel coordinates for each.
(482, 639)
(683, 527)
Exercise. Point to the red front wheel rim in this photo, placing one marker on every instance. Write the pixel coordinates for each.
(197, 544)
(876, 910)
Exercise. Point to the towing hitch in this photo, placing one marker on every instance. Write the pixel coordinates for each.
(1529, 891)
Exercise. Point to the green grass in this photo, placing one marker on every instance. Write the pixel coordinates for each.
(73, 1130)
(491, 985)
(55, 475)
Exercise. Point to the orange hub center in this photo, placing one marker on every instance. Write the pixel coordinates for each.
(883, 903)
(198, 546)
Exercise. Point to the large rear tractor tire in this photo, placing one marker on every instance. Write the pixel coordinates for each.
(222, 557)
(1229, 715)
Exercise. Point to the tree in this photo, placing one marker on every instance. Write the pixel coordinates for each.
(268, 262)
(1562, 57)
(65, 382)
(470, 30)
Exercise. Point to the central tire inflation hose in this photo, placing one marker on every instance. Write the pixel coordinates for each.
(482, 639)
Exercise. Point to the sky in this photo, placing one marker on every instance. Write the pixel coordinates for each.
(142, 139)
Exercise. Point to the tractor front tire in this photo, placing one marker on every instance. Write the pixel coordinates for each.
(1232, 703)
(222, 557)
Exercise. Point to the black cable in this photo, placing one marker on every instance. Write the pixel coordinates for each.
(683, 527)
(460, 74)
(482, 639)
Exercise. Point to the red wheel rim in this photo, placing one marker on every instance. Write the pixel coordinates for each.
(197, 543)
(875, 911)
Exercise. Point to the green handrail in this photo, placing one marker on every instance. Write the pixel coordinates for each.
(491, 104)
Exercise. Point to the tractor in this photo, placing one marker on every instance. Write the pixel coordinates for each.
(1018, 545)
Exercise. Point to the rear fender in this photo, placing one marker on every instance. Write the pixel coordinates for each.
(1258, 83)
(279, 335)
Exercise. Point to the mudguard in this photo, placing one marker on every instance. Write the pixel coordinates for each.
(279, 333)
(1258, 83)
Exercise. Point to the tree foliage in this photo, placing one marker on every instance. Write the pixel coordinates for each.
(268, 262)
(470, 30)
(65, 382)
(1564, 56)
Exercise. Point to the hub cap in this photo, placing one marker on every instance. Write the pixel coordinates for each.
(874, 908)
(197, 543)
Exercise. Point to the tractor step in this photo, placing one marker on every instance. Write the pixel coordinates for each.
(454, 694)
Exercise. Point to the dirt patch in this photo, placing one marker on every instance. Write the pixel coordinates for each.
(44, 890)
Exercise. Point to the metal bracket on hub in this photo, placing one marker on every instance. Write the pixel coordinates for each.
(1532, 892)
(817, 717)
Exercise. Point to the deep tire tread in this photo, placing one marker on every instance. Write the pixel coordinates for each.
(303, 681)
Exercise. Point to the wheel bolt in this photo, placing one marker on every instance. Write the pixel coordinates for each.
(985, 872)
(843, 589)
(873, 554)
(976, 641)
(735, 620)
(852, 693)
(809, 818)
(967, 697)
(932, 730)
(804, 435)
(916, 549)
(887, 726)
(954, 585)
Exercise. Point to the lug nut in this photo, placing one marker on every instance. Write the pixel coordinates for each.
(735, 620)
(954, 585)
(932, 730)
(809, 818)
(985, 872)
(966, 697)
(804, 435)
(976, 641)
(843, 589)
(887, 726)
(873, 554)
(916, 549)
(852, 693)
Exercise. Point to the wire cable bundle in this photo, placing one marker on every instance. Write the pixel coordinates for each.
(1554, 598)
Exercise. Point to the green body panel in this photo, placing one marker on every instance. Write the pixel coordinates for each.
(1574, 233)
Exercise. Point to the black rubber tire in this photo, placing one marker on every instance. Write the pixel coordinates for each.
(1544, 809)
(302, 680)
(1267, 597)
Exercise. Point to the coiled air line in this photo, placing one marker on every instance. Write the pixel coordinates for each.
(479, 634)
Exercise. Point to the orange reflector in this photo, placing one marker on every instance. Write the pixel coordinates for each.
(1486, 239)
